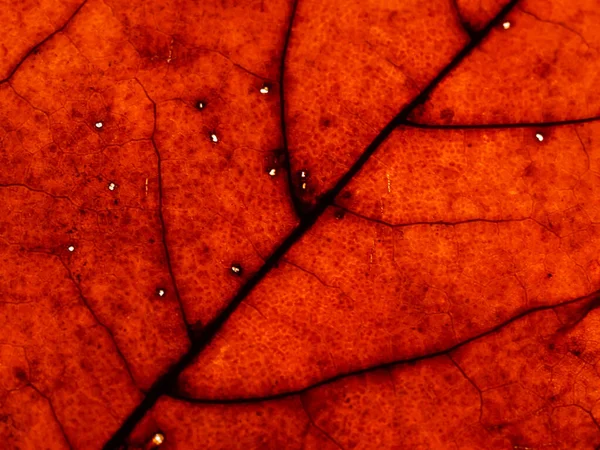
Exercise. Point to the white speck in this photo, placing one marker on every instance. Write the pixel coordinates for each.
(304, 186)
(303, 174)
(389, 182)
(506, 25)
(158, 439)
(200, 105)
(264, 89)
(170, 51)
(112, 186)
(235, 269)
(99, 125)
(539, 137)
(214, 138)
(272, 172)
(71, 248)
(146, 186)
(161, 292)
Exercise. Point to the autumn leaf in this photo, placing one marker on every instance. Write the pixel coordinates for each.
(300, 224)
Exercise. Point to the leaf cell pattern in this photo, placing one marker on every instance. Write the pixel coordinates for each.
(297, 224)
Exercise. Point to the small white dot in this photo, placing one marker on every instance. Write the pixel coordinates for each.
(303, 174)
(158, 439)
(272, 172)
(236, 269)
(539, 137)
(506, 25)
(200, 105)
(71, 248)
(214, 138)
(112, 186)
(264, 89)
(161, 292)
(303, 186)
(99, 125)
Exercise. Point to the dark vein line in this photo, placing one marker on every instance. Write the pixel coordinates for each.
(312, 274)
(592, 298)
(242, 68)
(558, 24)
(313, 423)
(587, 155)
(223, 55)
(594, 304)
(60, 425)
(432, 223)
(464, 374)
(587, 411)
(591, 416)
(86, 303)
(466, 26)
(288, 165)
(558, 123)
(163, 225)
(41, 191)
(38, 45)
(307, 221)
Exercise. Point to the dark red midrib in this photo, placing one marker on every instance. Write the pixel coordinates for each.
(162, 385)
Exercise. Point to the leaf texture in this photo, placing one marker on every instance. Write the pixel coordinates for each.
(300, 224)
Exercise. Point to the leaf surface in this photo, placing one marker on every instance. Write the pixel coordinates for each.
(300, 225)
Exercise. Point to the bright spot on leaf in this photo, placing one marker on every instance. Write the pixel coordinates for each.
(539, 137)
(236, 269)
(99, 125)
(272, 172)
(214, 138)
(506, 25)
(71, 248)
(112, 186)
(158, 439)
(264, 89)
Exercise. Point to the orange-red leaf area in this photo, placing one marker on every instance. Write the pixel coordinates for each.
(445, 299)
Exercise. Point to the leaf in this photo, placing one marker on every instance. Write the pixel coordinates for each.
(300, 225)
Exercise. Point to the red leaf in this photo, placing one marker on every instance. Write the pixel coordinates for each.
(300, 225)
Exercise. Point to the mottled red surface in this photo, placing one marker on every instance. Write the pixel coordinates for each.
(408, 194)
